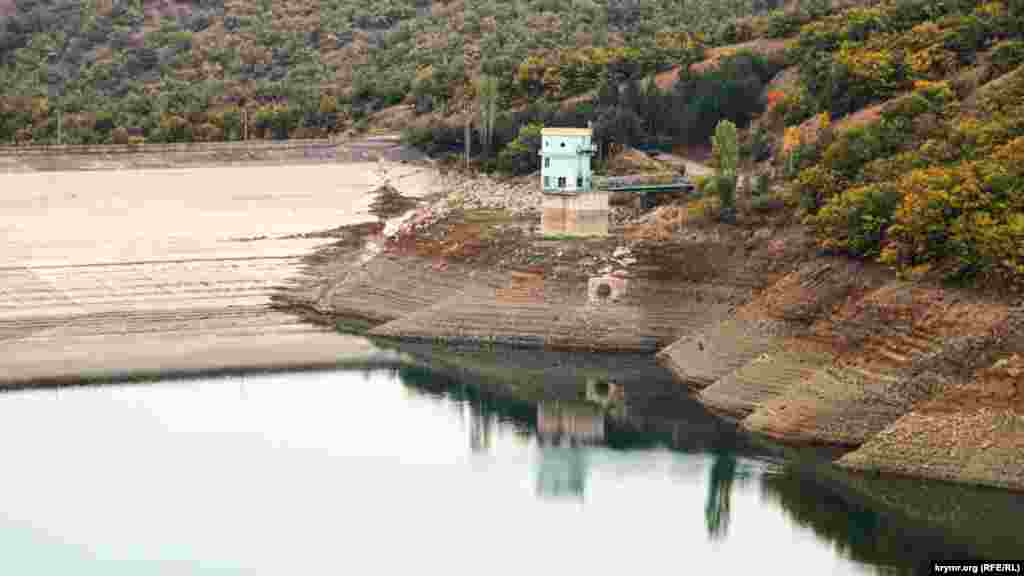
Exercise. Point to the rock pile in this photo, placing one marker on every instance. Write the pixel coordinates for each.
(520, 197)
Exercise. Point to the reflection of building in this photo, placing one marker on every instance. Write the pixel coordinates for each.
(562, 431)
(562, 472)
(564, 424)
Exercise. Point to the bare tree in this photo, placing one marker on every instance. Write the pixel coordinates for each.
(468, 134)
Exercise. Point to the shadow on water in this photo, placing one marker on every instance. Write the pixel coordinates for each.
(894, 524)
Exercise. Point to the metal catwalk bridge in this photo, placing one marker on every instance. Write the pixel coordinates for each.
(648, 186)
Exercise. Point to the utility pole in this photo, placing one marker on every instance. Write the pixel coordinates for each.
(469, 135)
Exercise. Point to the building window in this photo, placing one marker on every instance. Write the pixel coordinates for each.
(579, 181)
(547, 181)
(561, 181)
(547, 162)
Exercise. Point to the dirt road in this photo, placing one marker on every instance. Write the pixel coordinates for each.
(106, 273)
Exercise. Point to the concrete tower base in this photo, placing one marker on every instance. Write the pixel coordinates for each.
(575, 213)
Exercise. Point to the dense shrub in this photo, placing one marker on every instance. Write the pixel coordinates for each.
(855, 222)
(1008, 55)
(853, 149)
(782, 24)
(521, 156)
(813, 186)
(934, 182)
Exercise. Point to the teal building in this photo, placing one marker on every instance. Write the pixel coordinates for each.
(565, 159)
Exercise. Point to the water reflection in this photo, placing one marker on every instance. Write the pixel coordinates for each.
(562, 424)
(562, 472)
(570, 438)
(409, 458)
(717, 506)
(481, 427)
(562, 432)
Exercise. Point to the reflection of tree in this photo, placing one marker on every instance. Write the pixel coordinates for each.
(481, 426)
(716, 509)
(562, 472)
(867, 532)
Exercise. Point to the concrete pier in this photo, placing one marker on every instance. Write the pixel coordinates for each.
(575, 213)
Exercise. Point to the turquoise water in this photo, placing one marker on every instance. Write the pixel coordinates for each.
(403, 471)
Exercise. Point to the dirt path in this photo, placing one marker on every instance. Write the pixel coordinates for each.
(114, 272)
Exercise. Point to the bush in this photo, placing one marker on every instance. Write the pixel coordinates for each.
(1008, 55)
(417, 136)
(758, 145)
(782, 24)
(848, 154)
(795, 108)
(814, 186)
(760, 186)
(104, 123)
(521, 155)
(855, 222)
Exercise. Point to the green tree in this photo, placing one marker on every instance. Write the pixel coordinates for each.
(726, 150)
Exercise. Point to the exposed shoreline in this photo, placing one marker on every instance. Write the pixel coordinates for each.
(801, 348)
(791, 345)
(130, 266)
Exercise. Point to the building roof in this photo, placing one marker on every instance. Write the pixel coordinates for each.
(566, 131)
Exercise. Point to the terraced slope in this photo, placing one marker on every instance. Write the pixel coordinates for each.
(559, 314)
(973, 432)
(882, 350)
(784, 310)
(921, 380)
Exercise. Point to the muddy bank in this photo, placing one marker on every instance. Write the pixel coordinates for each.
(972, 432)
(921, 378)
(486, 276)
(110, 274)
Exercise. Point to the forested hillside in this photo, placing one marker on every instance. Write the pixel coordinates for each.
(171, 70)
(916, 154)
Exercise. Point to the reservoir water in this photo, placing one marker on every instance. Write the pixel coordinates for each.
(408, 470)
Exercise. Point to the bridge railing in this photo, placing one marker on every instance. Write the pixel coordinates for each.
(666, 179)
